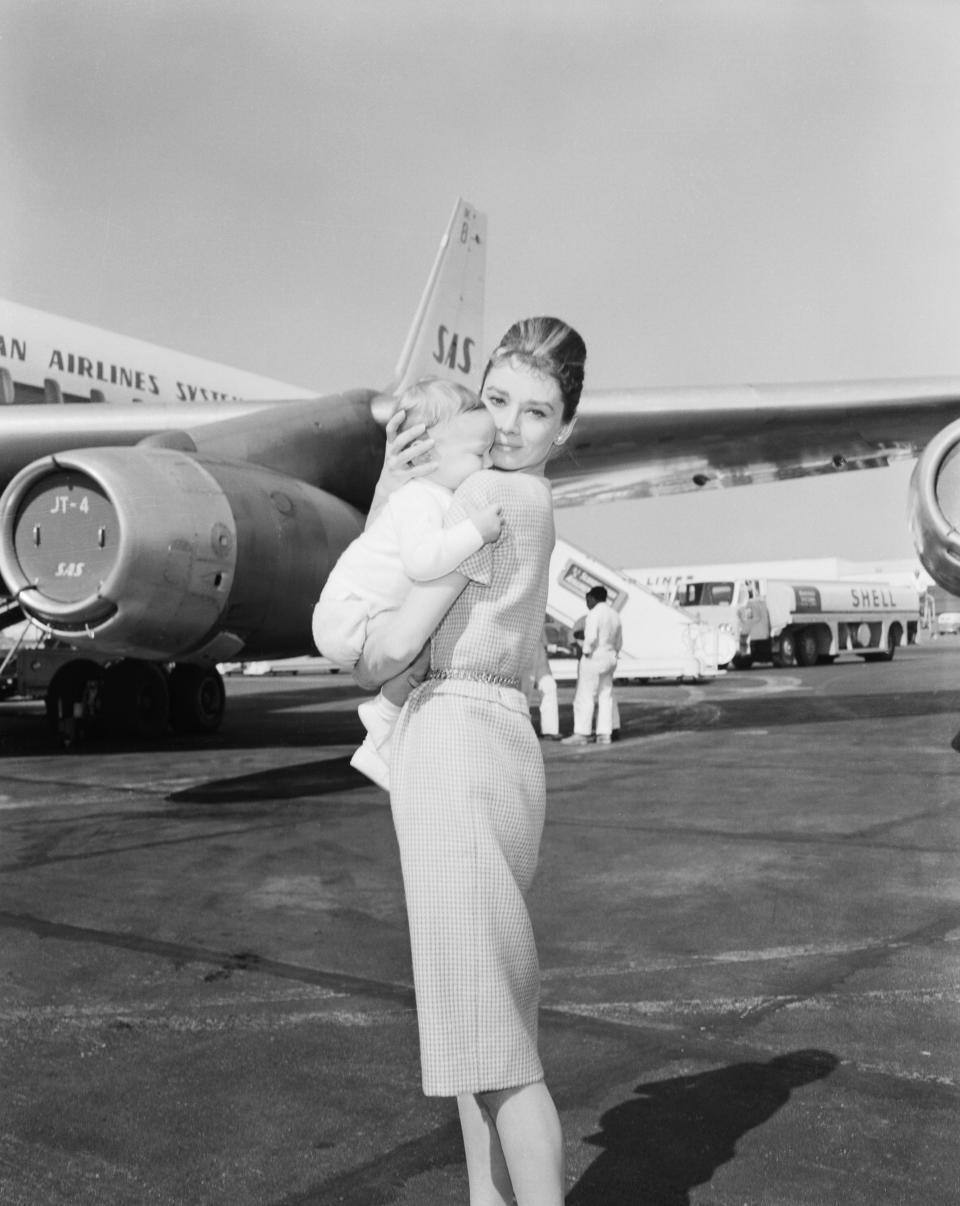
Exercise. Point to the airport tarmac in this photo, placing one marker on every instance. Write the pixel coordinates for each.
(747, 911)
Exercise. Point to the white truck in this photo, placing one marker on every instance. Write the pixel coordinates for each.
(804, 622)
(659, 641)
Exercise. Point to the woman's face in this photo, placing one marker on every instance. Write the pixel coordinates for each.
(527, 410)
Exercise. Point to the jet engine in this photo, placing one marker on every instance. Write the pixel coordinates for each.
(934, 507)
(156, 554)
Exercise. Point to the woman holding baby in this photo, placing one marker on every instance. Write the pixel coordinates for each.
(467, 779)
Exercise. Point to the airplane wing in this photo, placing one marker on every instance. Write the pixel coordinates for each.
(31, 431)
(626, 444)
(334, 443)
(642, 443)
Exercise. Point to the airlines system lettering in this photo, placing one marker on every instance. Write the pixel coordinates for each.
(448, 356)
(96, 370)
(74, 363)
(18, 349)
(190, 393)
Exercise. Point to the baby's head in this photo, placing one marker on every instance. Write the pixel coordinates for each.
(458, 423)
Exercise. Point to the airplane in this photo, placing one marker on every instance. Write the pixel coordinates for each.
(162, 514)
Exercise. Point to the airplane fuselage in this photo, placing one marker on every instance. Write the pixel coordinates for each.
(45, 357)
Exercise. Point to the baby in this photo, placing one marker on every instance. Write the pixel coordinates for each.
(405, 541)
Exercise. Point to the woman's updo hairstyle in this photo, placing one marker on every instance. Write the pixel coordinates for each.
(548, 346)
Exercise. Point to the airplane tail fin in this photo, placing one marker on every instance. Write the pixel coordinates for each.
(446, 338)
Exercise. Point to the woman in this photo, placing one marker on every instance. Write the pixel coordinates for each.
(468, 784)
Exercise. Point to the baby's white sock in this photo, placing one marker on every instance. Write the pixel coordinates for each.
(379, 717)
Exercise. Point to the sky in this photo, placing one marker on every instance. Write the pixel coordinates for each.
(712, 191)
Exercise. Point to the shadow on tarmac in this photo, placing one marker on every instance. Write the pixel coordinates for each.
(674, 1134)
(305, 779)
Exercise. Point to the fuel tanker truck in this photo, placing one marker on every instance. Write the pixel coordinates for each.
(804, 622)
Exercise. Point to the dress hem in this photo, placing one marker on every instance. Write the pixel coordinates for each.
(535, 1080)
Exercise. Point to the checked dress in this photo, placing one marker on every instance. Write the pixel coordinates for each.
(467, 795)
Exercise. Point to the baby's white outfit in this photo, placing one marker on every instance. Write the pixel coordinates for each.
(405, 543)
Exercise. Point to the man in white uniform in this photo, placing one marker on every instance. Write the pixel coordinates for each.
(602, 642)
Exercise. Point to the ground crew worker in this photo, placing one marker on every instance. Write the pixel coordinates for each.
(602, 642)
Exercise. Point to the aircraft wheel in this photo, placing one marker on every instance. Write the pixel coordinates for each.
(72, 700)
(807, 650)
(136, 698)
(742, 661)
(197, 699)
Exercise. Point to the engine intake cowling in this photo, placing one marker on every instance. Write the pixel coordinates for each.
(934, 508)
(154, 553)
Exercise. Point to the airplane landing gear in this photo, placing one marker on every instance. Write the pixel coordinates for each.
(132, 698)
(136, 701)
(73, 701)
(197, 699)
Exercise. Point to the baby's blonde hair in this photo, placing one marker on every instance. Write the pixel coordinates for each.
(433, 400)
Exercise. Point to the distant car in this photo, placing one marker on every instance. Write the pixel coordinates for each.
(948, 623)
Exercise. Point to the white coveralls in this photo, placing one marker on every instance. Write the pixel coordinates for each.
(602, 642)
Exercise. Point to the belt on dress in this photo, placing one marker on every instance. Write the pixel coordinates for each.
(477, 676)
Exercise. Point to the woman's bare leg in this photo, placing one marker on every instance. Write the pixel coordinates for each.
(531, 1141)
(486, 1168)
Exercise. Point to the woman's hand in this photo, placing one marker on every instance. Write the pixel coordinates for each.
(403, 448)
